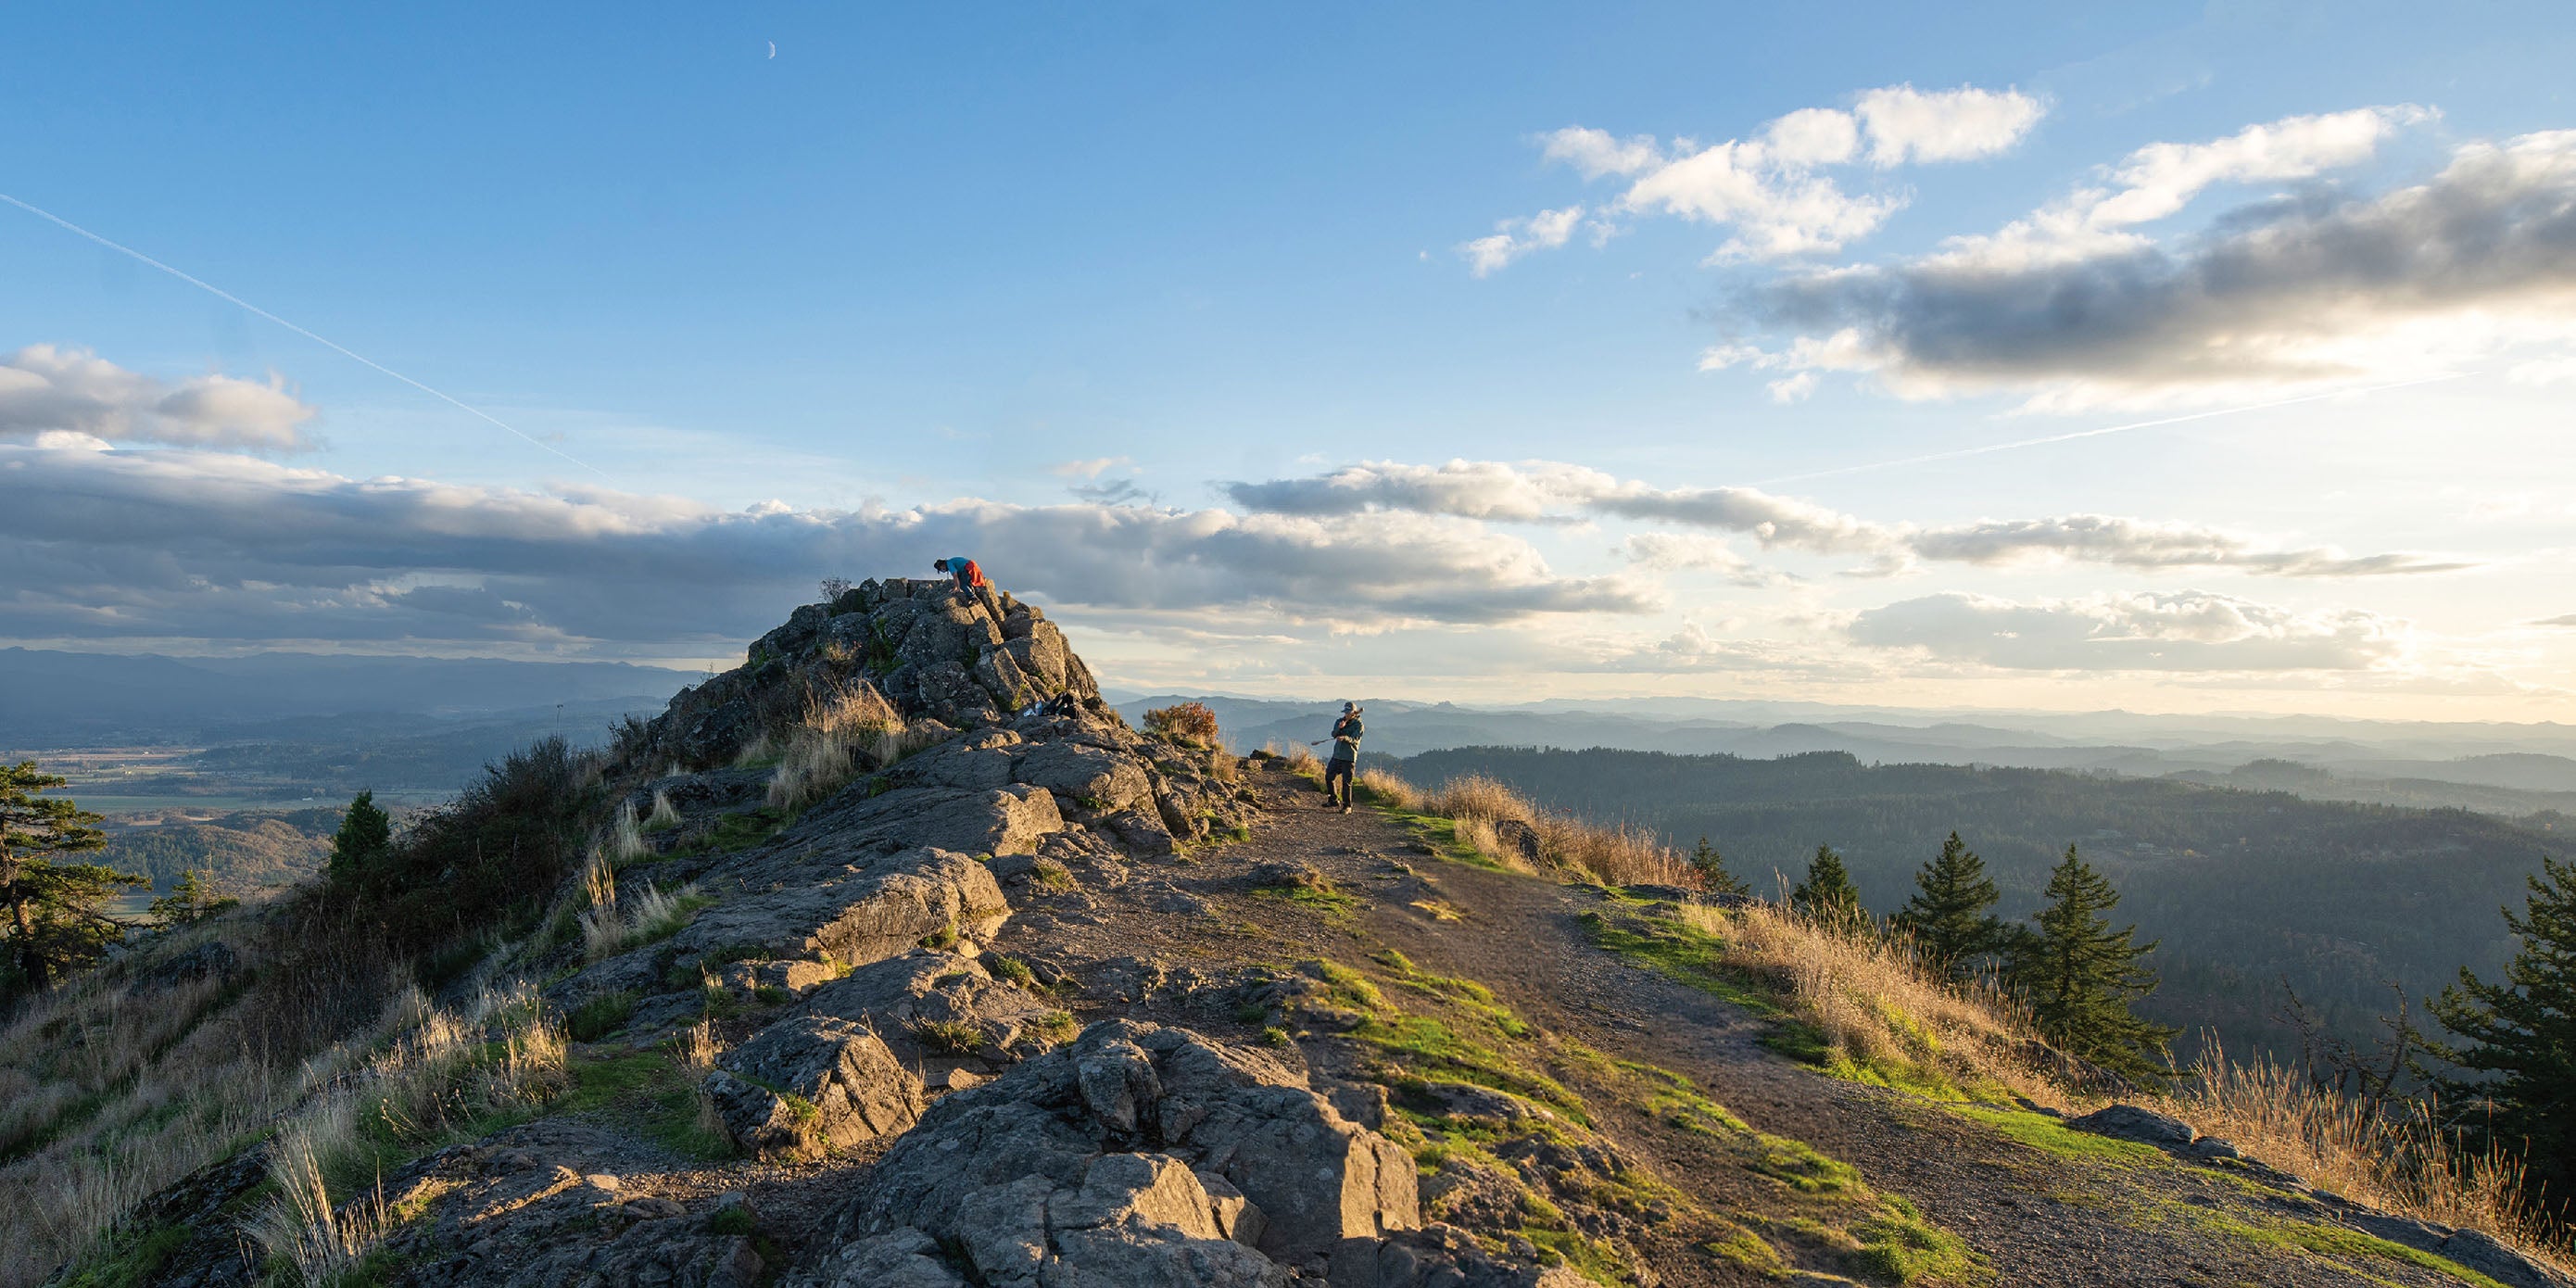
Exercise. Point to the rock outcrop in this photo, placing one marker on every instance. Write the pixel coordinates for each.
(1137, 1155)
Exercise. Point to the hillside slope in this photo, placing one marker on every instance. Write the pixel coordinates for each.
(2246, 890)
(875, 982)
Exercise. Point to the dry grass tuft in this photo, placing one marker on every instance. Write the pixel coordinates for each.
(1383, 788)
(1482, 798)
(665, 815)
(1881, 1018)
(2398, 1164)
(106, 1096)
(697, 1048)
(1301, 761)
(1885, 1019)
(626, 836)
(1485, 808)
(434, 1075)
(846, 728)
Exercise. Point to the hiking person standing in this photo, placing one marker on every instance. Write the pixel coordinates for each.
(1346, 755)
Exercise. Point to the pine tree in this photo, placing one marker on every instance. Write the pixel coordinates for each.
(55, 919)
(1828, 896)
(2080, 975)
(1951, 915)
(193, 898)
(366, 836)
(2518, 1037)
(1711, 867)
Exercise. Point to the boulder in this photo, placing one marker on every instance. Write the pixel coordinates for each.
(813, 1083)
(1139, 1154)
(929, 1005)
(861, 916)
(2129, 1122)
(1090, 779)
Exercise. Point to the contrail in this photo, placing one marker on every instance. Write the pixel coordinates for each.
(238, 302)
(2107, 429)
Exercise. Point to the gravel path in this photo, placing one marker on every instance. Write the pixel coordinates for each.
(2035, 1217)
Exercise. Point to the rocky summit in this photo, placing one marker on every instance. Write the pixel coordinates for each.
(904, 962)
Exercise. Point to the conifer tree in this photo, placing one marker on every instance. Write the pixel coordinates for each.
(193, 898)
(366, 836)
(2518, 1039)
(1711, 867)
(1828, 897)
(2080, 975)
(1951, 914)
(55, 921)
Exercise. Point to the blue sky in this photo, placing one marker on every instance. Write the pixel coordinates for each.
(1048, 282)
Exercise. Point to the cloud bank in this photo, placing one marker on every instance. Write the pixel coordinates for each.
(2073, 308)
(2185, 631)
(1554, 492)
(48, 389)
(99, 543)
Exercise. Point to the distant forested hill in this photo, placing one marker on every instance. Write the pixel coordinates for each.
(241, 852)
(2246, 889)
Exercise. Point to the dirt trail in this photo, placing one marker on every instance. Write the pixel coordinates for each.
(2034, 1217)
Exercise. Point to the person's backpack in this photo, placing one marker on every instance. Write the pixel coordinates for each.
(975, 574)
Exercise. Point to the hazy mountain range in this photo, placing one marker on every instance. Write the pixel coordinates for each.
(2493, 767)
(51, 699)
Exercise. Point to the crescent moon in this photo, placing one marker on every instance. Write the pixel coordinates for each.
(773, 49)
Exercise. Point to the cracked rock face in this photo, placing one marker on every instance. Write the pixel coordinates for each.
(1136, 1155)
(846, 1088)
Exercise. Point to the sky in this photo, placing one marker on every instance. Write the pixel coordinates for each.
(2162, 357)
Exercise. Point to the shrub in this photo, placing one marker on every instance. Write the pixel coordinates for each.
(949, 1037)
(600, 1016)
(1187, 722)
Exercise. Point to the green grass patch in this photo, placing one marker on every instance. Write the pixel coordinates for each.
(1684, 952)
(2049, 1136)
(129, 1259)
(650, 1092)
(1899, 1244)
(600, 1016)
(1441, 835)
(1011, 970)
(741, 830)
(1328, 901)
(2334, 1241)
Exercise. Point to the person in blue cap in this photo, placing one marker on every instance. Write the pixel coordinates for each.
(1345, 759)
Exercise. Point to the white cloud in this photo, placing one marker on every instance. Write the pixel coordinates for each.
(1907, 124)
(1812, 136)
(1595, 152)
(49, 389)
(1776, 209)
(2161, 178)
(1513, 238)
(2280, 297)
(1692, 552)
(1765, 188)
(2183, 631)
(1791, 389)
